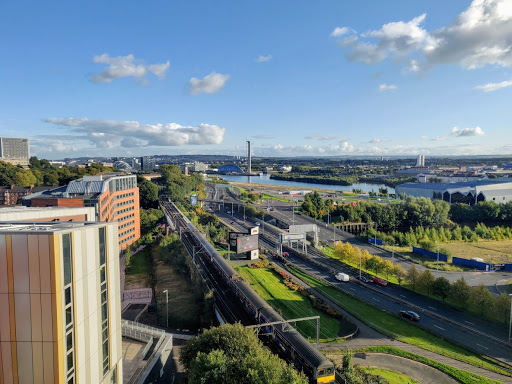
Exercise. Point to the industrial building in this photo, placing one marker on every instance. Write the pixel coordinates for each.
(14, 151)
(60, 297)
(468, 192)
(114, 197)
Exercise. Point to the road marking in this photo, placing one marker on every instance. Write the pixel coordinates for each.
(352, 289)
(374, 299)
(468, 322)
(403, 296)
(482, 346)
(442, 329)
(431, 307)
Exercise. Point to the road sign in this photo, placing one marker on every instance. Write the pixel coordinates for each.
(283, 237)
(246, 243)
(302, 228)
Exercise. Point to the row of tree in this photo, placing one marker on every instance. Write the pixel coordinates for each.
(41, 172)
(432, 236)
(487, 212)
(477, 299)
(405, 213)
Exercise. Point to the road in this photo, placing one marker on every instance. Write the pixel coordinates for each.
(460, 327)
(283, 212)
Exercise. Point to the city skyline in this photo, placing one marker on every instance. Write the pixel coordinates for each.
(329, 79)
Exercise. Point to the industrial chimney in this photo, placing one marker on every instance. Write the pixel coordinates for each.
(249, 171)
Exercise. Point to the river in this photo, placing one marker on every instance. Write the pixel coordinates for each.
(265, 179)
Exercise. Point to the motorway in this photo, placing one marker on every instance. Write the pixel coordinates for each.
(461, 327)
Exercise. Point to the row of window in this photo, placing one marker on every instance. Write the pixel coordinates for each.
(127, 232)
(68, 306)
(127, 239)
(127, 224)
(104, 301)
(128, 209)
(123, 203)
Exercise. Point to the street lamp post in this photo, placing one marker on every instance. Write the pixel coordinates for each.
(510, 321)
(244, 213)
(437, 264)
(167, 305)
(375, 239)
(360, 261)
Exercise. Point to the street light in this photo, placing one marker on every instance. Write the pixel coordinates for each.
(167, 302)
(437, 264)
(510, 321)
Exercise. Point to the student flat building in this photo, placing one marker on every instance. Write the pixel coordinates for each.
(60, 317)
(14, 151)
(115, 197)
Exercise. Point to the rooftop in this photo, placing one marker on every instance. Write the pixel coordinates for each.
(43, 227)
(460, 184)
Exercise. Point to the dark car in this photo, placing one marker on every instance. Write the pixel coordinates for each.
(410, 315)
(365, 280)
(379, 281)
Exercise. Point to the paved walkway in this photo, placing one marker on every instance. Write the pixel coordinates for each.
(363, 342)
(420, 372)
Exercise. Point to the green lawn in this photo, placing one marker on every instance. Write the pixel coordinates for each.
(391, 376)
(289, 303)
(508, 288)
(273, 197)
(138, 263)
(398, 328)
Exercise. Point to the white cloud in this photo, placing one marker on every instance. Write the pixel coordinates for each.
(387, 87)
(263, 137)
(262, 59)
(423, 137)
(325, 138)
(481, 35)
(125, 66)
(211, 83)
(109, 133)
(378, 140)
(340, 31)
(491, 87)
(462, 132)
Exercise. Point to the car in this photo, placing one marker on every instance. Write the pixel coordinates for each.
(364, 279)
(342, 276)
(286, 254)
(410, 315)
(379, 281)
(258, 224)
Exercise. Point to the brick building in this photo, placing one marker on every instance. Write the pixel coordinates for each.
(115, 198)
(10, 195)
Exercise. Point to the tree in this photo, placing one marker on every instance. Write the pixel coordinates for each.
(400, 273)
(148, 193)
(502, 307)
(233, 354)
(412, 277)
(460, 292)
(426, 281)
(480, 298)
(441, 287)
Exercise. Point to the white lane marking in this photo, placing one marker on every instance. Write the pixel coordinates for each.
(403, 296)
(468, 322)
(442, 329)
(431, 307)
(352, 289)
(482, 346)
(374, 299)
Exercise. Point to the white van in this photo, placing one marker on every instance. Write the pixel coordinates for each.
(342, 276)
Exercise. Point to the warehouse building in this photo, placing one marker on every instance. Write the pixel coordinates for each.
(467, 192)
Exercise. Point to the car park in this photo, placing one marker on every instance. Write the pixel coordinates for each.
(410, 315)
(379, 281)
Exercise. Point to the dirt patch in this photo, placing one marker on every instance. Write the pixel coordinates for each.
(492, 251)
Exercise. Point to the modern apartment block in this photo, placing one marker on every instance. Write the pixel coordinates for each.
(147, 163)
(14, 151)
(115, 197)
(60, 318)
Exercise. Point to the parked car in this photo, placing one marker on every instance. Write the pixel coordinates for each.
(410, 315)
(379, 281)
(364, 279)
(342, 276)
(286, 254)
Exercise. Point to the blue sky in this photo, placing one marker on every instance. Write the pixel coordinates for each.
(296, 78)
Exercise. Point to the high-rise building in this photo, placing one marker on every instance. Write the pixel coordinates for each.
(14, 151)
(114, 197)
(249, 158)
(60, 318)
(147, 163)
(420, 161)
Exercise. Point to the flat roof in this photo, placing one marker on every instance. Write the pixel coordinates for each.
(459, 184)
(45, 227)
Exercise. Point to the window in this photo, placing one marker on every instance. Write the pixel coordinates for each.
(102, 245)
(66, 255)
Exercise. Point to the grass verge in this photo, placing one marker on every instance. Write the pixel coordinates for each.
(390, 325)
(392, 377)
(289, 303)
(139, 263)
